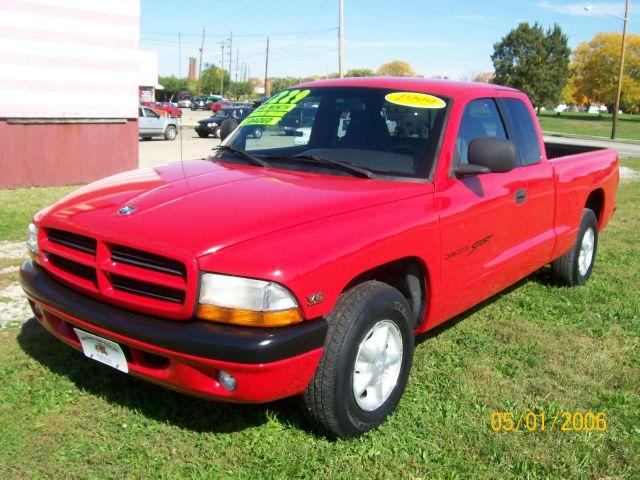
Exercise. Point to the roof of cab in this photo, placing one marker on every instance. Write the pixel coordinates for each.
(443, 87)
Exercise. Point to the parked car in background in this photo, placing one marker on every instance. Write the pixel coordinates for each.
(211, 125)
(165, 107)
(152, 124)
(219, 104)
(184, 99)
(198, 103)
(297, 119)
(204, 102)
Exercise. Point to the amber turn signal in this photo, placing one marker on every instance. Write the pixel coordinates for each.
(249, 318)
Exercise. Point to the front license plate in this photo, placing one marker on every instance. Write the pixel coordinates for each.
(103, 350)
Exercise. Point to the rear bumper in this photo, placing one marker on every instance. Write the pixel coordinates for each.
(184, 355)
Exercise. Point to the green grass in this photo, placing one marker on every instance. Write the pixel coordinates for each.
(536, 346)
(18, 206)
(593, 125)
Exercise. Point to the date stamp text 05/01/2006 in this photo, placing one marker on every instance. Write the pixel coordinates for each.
(531, 421)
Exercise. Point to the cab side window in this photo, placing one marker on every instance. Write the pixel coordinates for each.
(480, 118)
(523, 130)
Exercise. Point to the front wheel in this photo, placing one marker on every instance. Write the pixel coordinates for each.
(366, 361)
(170, 133)
(574, 267)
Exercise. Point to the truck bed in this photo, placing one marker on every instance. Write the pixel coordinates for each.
(557, 150)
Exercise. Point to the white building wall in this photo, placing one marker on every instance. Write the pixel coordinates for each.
(69, 58)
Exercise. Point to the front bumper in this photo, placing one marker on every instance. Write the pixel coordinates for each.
(184, 355)
(204, 129)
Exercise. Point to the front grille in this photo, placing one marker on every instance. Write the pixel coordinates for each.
(74, 268)
(118, 273)
(149, 261)
(73, 240)
(147, 289)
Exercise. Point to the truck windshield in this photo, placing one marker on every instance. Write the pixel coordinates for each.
(386, 132)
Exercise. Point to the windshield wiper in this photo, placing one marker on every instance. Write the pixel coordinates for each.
(242, 153)
(320, 160)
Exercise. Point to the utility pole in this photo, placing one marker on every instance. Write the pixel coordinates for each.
(200, 64)
(341, 38)
(222, 71)
(179, 62)
(230, 61)
(266, 72)
(237, 62)
(621, 71)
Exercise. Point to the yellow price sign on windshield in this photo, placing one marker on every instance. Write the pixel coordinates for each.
(272, 111)
(414, 99)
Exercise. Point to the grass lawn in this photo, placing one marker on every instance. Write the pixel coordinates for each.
(536, 346)
(590, 124)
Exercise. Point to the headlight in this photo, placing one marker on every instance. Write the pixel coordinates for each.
(210, 125)
(245, 301)
(32, 239)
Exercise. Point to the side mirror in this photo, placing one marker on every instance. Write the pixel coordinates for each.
(489, 155)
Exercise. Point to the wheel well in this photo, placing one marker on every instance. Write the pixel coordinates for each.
(409, 276)
(595, 202)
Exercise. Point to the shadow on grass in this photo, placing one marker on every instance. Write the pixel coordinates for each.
(150, 400)
(181, 410)
(543, 276)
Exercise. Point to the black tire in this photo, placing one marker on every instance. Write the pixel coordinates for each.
(329, 399)
(257, 133)
(170, 133)
(567, 269)
(202, 134)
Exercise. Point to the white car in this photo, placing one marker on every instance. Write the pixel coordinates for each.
(151, 124)
(186, 103)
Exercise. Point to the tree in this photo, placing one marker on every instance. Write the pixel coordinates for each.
(534, 61)
(595, 71)
(396, 68)
(210, 80)
(172, 85)
(486, 77)
(359, 72)
(468, 76)
(242, 89)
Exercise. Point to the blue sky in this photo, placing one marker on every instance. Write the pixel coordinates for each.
(436, 38)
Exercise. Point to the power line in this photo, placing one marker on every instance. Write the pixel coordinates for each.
(450, 16)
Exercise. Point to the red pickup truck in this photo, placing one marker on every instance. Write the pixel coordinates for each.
(306, 264)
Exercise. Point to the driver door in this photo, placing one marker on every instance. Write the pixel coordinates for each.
(483, 223)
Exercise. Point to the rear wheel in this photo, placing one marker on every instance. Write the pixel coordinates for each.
(574, 267)
(170, 133)
(366, 361)
(257, 133)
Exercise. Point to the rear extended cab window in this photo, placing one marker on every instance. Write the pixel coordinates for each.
(522, 130)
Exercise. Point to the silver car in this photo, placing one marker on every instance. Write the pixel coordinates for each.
(152, 124)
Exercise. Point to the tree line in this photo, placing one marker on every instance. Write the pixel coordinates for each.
(540, 63)
(530, 58)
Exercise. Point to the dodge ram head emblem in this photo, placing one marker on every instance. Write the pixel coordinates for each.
(126, 210)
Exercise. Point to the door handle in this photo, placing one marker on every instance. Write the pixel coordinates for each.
(521, 196)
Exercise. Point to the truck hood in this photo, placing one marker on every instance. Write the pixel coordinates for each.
(201, 206)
